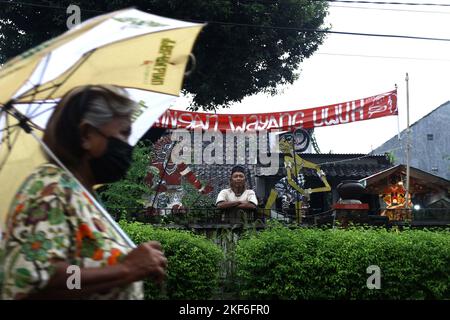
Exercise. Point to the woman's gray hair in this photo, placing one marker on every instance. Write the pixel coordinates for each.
(103, 108)
(93, 104)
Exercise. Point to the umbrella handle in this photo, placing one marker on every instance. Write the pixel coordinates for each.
(104, 213)
(194, 65)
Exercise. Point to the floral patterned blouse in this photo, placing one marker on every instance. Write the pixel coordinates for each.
(52, 218)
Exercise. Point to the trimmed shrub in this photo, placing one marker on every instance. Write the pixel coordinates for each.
(193, 262)
(280, 263)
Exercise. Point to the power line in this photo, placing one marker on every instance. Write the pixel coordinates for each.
(389, 9)
(352, 55)
(425, 4)
(284, 28)
(362, 7)
(323, 31)
(381, 57)
(357, 158)
(260, 1)
(30, 4)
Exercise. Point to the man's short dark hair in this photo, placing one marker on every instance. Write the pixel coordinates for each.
(238, 168)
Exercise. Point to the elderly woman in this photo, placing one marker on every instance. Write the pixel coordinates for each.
(53, 225)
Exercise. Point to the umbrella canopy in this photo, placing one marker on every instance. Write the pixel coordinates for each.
(144, 53)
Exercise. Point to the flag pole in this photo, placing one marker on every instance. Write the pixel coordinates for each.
(398, 121)
(408, 145)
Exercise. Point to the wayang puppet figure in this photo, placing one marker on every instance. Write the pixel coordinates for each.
(165, 178)
(291, 187)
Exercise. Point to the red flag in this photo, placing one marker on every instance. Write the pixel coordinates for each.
(381, 105)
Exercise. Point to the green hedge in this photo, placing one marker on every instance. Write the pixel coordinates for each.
(193, 262)
(280, 263)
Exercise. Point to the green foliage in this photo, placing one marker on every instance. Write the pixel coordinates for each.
(199, 205)
(279, 263)
(193, 198)
(128, 192)
(227, 239)
(193, 262)
(238, 53)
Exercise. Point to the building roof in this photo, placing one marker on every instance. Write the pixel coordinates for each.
(418, 177)
(403, 132)
(346, 166)
(445, 104)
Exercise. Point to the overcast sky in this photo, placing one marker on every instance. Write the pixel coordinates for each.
(336, 73)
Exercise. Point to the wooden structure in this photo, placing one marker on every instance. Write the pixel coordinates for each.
(389, 187)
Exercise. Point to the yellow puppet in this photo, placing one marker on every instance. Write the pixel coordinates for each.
(291, 187)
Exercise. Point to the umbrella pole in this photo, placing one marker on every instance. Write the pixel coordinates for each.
(102, 210)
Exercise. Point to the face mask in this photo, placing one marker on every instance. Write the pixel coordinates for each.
(114, 163)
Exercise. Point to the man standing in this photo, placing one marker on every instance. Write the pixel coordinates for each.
(237, 196)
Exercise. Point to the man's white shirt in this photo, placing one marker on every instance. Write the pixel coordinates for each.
(229, 195)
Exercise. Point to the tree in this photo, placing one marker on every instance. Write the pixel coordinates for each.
(249, 46)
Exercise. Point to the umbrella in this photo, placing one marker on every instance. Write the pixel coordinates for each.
(144, 53)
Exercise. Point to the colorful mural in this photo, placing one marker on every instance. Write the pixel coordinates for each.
(166, 177)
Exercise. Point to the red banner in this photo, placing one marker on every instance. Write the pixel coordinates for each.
(378, 106)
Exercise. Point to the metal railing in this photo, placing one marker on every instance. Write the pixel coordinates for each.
(260, 216)
(207, 215)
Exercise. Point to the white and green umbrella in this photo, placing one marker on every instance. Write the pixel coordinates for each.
(143, 53)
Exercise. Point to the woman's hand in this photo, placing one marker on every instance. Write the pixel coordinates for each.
(147, 260)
